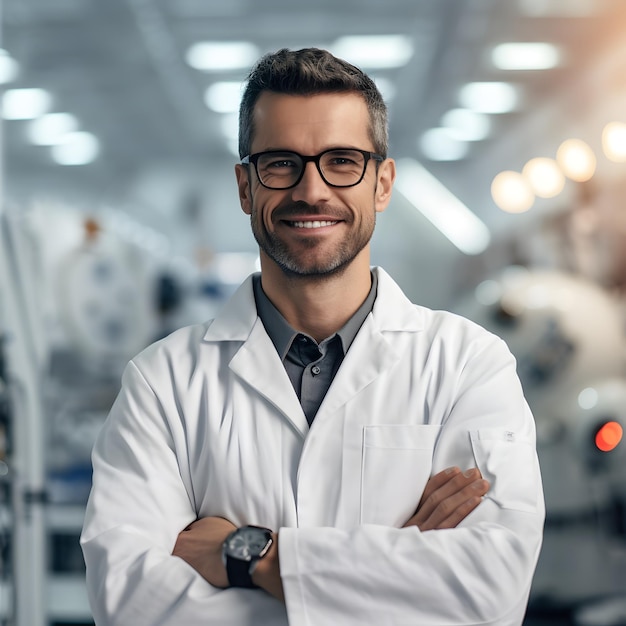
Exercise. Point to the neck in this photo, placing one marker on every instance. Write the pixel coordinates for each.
(317, 306)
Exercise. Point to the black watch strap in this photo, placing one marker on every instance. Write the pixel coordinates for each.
(239, 573)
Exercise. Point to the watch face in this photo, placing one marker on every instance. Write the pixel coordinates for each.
(248, 543)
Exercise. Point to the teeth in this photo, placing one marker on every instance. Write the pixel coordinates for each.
(316, 224)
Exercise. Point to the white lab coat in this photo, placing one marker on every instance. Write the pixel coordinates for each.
(207, 423)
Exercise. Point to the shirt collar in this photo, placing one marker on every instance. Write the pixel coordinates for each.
(282, 334)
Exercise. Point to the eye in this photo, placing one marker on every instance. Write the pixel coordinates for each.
(342, 159)
(281, 164)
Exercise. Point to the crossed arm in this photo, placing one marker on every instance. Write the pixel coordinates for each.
(448, 498)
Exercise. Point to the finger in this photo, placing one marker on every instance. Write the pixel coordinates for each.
(431, 501)
(434, 484)
(460, 513)
(439, 480)
(453, 509)
(440, 504)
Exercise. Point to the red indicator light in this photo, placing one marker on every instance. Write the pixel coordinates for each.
(608, 436)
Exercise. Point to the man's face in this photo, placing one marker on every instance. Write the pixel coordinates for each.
(313, 229)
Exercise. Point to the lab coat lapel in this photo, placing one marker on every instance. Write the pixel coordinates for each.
(369, 356)
(258, 363)
(378, 344)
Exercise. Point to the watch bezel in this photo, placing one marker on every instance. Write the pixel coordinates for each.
(230, 551)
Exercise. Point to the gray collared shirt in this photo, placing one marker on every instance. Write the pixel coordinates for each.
(311, 367)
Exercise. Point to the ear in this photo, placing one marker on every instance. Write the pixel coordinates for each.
(243, 184)
(384, 184)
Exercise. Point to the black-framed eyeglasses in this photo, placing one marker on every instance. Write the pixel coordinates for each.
(338, 167)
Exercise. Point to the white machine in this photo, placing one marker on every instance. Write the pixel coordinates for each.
(568, 337)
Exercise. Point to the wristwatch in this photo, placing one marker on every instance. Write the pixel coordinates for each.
(242, 550)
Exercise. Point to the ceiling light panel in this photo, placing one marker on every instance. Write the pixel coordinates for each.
(467, 125)
(79, 148)
(441, 144)
(222, 56)
(224, 97)
(374, 51)
(50, 129)
(25, 104)
(526, 56)
(558, 8)
(489, 97)
(442, 208)
(9, 67)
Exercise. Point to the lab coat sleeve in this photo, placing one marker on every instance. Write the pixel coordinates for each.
(477, 573)
(139, 502)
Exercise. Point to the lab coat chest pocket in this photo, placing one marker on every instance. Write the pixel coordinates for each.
(396, 464)
(509, 462)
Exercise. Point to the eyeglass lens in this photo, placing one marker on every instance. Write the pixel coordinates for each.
(341, 168)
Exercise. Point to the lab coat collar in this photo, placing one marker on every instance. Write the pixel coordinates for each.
(237, 318)
(392, 311)
(258, 363)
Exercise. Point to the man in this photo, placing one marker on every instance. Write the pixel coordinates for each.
(321, 406)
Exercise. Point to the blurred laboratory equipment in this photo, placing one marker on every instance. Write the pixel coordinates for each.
(79, 297)
(567, 334)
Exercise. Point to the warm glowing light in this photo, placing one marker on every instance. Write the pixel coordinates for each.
(544, 176)
(609, 436)
(614, 141)
(576, 159)
(512, 192)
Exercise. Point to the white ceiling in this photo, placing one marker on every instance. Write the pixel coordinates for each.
(119, 66)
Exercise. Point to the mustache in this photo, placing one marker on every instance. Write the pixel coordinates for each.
(295, 209)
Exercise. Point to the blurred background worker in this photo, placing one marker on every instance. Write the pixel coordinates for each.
(119, 130)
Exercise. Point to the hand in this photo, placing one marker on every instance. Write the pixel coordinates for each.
(448, 498)
(267, 572)
(200, 544)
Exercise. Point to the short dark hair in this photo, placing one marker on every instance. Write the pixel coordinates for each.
(308, 72)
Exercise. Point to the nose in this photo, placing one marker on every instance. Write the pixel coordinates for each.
(312, 188)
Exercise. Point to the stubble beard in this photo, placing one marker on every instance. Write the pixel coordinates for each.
(303, 265)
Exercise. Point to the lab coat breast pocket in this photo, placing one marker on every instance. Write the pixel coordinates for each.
(396, 464)
(509, 462)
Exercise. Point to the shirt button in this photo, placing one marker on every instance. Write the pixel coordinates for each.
(315, 370)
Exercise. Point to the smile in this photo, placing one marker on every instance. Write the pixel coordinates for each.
(314, 224)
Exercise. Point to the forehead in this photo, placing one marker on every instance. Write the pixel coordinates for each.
(309, 124)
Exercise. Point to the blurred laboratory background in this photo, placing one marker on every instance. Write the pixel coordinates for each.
(119, 222)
